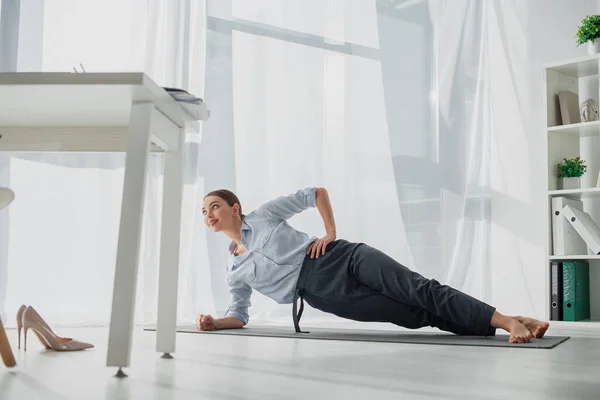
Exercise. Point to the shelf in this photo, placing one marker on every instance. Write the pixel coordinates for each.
(572, 257)
(591, 128)
(576, 193)
(576, 67)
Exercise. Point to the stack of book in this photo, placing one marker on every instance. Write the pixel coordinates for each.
(570, 291)
(190, 103)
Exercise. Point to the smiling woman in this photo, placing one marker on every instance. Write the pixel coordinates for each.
(350, 280)
(220, 196)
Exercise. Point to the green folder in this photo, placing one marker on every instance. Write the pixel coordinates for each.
(576, 291)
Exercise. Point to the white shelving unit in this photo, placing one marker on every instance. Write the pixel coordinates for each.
(579, 76)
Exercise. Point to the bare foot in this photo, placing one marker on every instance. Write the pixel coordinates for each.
(537, 328)
(518, 332)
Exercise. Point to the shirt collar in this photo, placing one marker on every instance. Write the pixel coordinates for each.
(245, 229)
(245, 226)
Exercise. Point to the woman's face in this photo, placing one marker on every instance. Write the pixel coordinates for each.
(218, 215)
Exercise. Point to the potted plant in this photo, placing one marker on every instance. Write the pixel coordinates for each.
(588, 32)
(569, 172)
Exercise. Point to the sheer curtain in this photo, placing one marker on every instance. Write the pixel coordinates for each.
(385, 103)
(382, 102)
(464, 117)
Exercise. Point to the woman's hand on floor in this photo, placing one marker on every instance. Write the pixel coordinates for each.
(205, 322)
(317, 248)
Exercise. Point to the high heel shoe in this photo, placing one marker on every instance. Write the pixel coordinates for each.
(20, 325)
(32, 320)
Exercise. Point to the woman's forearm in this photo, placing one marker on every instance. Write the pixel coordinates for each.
(324, 207)
(228, 323)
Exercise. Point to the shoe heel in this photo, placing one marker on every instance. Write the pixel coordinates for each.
(25, 338)
(20, 321)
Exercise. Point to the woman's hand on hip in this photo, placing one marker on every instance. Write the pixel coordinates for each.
(317, 248)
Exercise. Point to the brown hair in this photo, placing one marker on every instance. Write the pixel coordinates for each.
(229, 197)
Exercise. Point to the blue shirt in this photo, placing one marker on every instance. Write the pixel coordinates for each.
(275, 253)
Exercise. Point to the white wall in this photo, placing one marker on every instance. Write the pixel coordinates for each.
(541, 31)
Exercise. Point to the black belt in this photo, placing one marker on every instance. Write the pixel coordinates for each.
(299, 293)
(296, 315)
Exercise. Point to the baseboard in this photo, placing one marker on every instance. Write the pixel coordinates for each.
(575, 329)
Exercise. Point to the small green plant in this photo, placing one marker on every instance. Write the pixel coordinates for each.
(571, 168)
(589, 30)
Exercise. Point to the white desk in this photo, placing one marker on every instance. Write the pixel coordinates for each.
(113, 112)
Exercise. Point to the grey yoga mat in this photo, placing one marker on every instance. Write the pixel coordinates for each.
(500, 340)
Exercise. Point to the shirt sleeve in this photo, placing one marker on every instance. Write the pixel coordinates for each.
(239, 302)
(285, 207)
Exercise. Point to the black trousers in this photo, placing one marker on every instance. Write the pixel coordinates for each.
(358, 282)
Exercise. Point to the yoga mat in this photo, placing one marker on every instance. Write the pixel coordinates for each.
(500, 340)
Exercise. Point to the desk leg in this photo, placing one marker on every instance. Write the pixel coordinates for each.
(169, 250)
(130, 232)
(5, 350)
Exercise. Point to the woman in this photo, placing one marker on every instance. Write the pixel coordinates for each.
(350, 280)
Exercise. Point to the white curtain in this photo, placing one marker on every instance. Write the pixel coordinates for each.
(464, 118)
(383, 102)
(60, 234)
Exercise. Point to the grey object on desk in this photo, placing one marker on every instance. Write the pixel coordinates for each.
(193, 105)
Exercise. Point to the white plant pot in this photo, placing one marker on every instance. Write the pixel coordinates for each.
(593, 48)
(569, 183)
